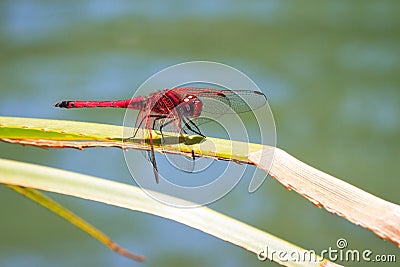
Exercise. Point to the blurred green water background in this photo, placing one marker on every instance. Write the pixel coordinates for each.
(329, 69)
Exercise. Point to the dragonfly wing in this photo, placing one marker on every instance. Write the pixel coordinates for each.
(142, 132)
(217, 101)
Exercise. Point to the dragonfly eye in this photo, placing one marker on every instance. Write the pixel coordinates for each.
(191, 106)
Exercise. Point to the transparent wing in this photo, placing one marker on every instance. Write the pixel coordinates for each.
(239, 101)
(142, 132)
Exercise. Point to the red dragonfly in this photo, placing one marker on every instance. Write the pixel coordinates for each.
(178, 109)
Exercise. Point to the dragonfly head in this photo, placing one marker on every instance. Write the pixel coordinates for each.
(191, 106)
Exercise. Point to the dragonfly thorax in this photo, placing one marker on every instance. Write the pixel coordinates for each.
(191, 106)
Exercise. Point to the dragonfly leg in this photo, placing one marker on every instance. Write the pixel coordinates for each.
(135, 131)
(197, 131)
(184, 131)
(165, 124)
(137, 128)
(157, 118)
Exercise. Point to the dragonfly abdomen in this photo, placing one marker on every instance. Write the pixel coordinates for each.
(99, 104)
